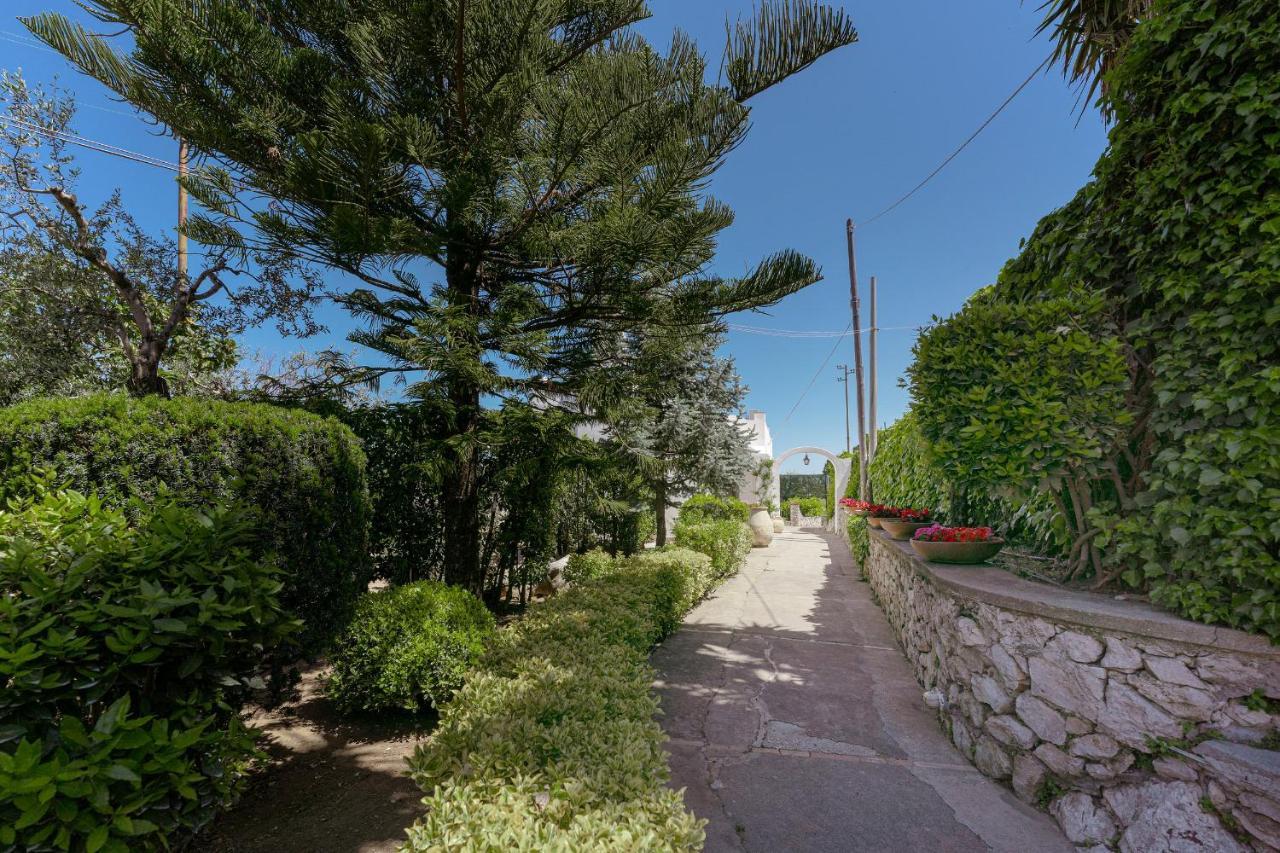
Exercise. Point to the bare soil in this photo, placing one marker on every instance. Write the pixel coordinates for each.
(331, 783)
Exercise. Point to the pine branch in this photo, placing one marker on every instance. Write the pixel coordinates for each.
(786, 36)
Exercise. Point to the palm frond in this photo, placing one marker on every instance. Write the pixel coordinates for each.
(1089, 37)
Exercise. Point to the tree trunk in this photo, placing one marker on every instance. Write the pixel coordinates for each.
(144, 371)
(660, 510)
(462, 565)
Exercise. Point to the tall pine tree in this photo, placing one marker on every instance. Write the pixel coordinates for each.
(509, 182)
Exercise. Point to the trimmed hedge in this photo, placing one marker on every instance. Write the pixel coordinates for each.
(810, 506)
(552, 742)
(703, 507)
(301, 474)
(128, 642)
(407, 647)
(726, 542)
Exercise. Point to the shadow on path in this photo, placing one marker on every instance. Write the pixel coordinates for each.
(332, 783)
(795, 722)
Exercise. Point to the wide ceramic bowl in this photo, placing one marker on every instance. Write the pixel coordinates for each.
(899, 529)
(873, 521)
(964, 553)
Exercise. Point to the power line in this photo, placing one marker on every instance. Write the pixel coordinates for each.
(963, 146)
(815, 376)
(91, 144)
(815, 335)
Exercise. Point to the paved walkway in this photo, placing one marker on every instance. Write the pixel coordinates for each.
(796, 723)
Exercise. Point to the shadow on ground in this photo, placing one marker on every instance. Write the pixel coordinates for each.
(795, 722)
(332, 783)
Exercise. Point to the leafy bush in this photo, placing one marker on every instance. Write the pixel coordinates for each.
(726, 542)
(905, 473)
(859, 539)
(711, 508)
(552, 742)
(407, 647)
(302, 476)
(1178, 233)
(128, 642)
(810, 507)
(588, 566)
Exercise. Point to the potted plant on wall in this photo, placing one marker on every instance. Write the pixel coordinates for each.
(907, 523)
(877, 513)
(963, 545)
(853, 506)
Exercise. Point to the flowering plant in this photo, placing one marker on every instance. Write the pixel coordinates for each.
(914, 514)
(855, 505)
(938, 533)
(882, 511)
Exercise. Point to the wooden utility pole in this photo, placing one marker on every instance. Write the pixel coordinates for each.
(844, 377)
(863, 480)
(871, 366)
(182, 212)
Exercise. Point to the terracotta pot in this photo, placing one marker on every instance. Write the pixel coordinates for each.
(899, 529)
(964, 553)
(872, 521)
(761, 524)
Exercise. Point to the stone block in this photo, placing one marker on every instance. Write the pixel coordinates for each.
(961, 737)
(1243, 767)
(1096, 746)
(1013, 672)
(1078, 647)
(1122, 656)
(1131, 718)
(1073, 687)
(1167, 817)
(1174, 770)
(1058, 761)
(969, 633)
(991, 759)
(1047, 723)
(1259, 826)
(1025, 635)
(1173, 671)
(1188, 703)
(1078, 726)
(1008, 730)
(1028, 775)
(990, 692)
(1082, 821)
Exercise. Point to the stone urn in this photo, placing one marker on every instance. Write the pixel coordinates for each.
(761, 527)
(778, 526)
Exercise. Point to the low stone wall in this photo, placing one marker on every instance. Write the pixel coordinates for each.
(1136, 729)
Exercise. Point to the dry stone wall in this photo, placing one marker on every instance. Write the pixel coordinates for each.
(1138, 731)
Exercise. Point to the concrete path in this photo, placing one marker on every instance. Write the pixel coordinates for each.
(796, 723)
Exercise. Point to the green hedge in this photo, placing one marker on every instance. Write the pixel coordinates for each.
(1178, 235)
(407, 647)
(726, 542)
(302, 475)
(128, 642)
(812, 507)
(587, 566)
(906, 473)
(552, 742)
(704, 507)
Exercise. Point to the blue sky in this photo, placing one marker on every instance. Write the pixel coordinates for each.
(844, 139)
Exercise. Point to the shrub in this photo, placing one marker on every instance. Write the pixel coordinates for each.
(809, 507)
(711, 508)
(302, 475)
(128, 642)
(407, 647)
(552, 742)
(727, 543)
(588, 566)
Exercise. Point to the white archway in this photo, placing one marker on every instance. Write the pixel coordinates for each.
(843, 466)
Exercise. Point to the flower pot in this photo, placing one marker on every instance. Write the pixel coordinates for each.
(761, 524)
(964, 553)
(899, 529)
(873, 521)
